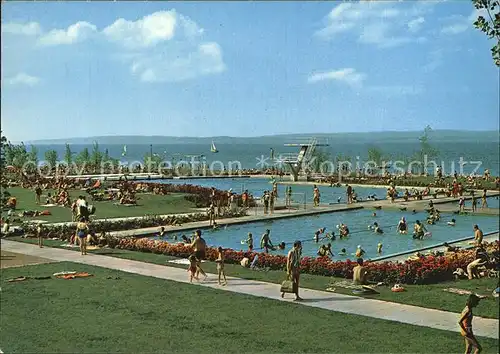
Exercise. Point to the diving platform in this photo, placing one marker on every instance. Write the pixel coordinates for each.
(296, 161)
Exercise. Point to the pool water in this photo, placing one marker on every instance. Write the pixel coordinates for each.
(303, 228)
(257, 186)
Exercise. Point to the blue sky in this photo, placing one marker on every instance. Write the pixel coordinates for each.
(243, 69)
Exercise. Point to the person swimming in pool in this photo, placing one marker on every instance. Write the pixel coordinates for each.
(359, 252)
(344, 230)
(452, 222)
(419, 230)
(376, 229)
(342, 252)
(402, 226)
(317, 233)
(379, 248)
(325, 250)
(282, 246)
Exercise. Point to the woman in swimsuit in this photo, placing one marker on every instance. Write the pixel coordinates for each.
(465, 324)
(81, 232)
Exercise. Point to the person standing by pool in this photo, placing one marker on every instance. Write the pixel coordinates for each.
(316, 196)
(265, 197)
(211, 214)
(200, 248)
(288, 196)
(349, 194)
(465, 323)
(275, 190)
(244, 198)
(478, 235)
(293, 268)
(474, 202)
(265, 242)
(484, 201)
(271, 202)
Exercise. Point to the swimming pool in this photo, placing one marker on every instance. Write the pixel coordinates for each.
(303, 228)
(257, 186)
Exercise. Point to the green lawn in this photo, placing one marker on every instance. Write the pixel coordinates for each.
(144, 314)
(148, 204)
(431, 296)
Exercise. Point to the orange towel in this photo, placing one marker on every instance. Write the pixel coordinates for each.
(73, 276)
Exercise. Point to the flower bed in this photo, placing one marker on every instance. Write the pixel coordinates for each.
(424, 271)
(64, 232)
(200, 196)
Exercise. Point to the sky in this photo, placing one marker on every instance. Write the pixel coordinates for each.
(243, 68)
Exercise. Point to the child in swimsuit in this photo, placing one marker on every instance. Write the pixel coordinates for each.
(465, 324)
(193, 267)
(220, 265)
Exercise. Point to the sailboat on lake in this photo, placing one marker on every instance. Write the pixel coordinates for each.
(213, 148)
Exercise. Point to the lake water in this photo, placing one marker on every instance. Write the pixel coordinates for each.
(303, 228)
(249, 155)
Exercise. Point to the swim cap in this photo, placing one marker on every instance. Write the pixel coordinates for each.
(359, 246)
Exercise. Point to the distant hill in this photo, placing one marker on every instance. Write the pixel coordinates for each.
(362, 138)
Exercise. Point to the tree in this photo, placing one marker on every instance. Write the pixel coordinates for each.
(375, 155)
(4, 193)
(318, 162)
(33, 155)
(491, 24)
(96, 156)
(427, 152)
(83, 158)
(68, 155)
(51, 158)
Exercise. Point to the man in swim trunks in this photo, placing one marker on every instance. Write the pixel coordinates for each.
(200, 247)
(265, 242)
(293, 268)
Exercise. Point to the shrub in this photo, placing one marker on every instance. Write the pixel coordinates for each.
(427, 270)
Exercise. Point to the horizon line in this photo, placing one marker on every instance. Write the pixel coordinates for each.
(247, 137)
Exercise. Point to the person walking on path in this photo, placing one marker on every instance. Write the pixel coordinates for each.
(465, 323)
(293, 268)
(39, 234)
(200, 248)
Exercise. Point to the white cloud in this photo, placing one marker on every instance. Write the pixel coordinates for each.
(164, 46)
(152, 29)
(382, 24)
(460, 24)
(23, 79)
(169, 67)
(75, 33)
(416, 24)
(26, 29)
(348, 75)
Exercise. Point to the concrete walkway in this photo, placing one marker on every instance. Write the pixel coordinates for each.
(325, 300)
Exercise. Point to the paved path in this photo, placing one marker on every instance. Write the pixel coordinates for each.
(326, 300)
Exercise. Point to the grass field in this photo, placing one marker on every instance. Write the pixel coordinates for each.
(143, 314)
(148, 204)
(430, 296)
